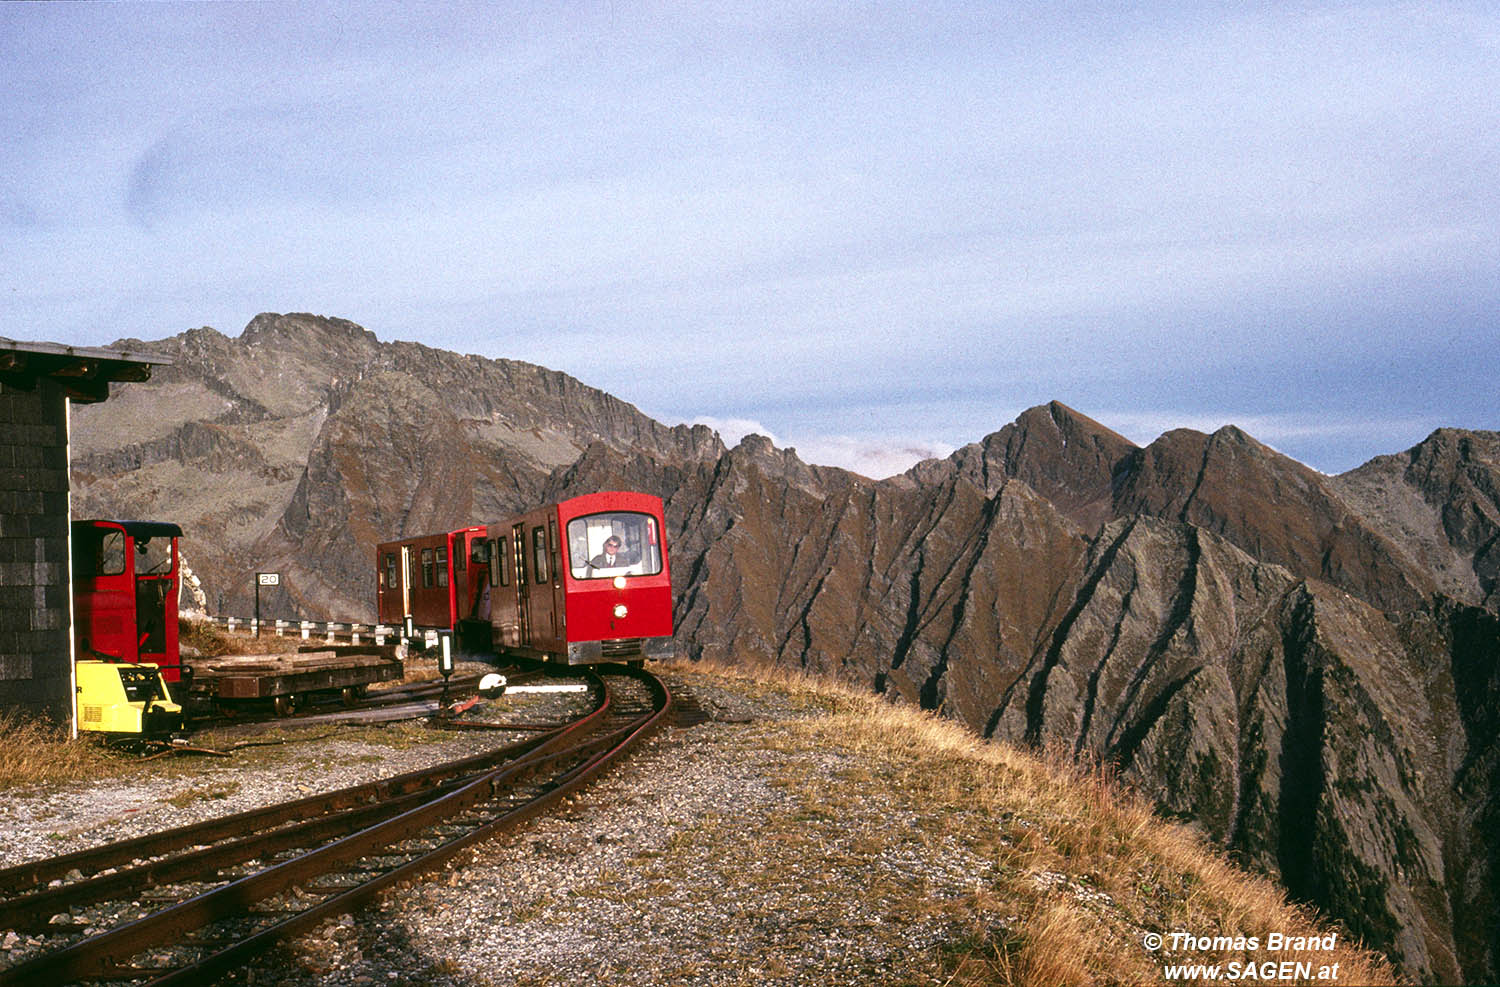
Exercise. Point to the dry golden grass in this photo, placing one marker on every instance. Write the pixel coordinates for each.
(37, 752)
(214, 641)
(206, 638)
(1086, 869)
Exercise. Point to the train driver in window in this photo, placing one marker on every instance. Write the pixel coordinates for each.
(612, 556)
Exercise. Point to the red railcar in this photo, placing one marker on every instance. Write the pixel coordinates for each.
(428, 579)
(125, 589)
(546, 584)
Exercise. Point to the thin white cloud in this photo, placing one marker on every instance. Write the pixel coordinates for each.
(875, 457)
(732, 430)
(1143, 427)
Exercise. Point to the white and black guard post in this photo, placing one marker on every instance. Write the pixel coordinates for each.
(263, 579)
(445, 664)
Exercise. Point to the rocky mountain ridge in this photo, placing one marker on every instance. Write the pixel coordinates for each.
(1305, 666)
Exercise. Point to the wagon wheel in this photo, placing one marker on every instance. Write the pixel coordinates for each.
(350, 695)
(284, 705)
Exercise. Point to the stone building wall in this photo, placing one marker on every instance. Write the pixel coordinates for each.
(35, 667)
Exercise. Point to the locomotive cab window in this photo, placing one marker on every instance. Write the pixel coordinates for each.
(153, 556)
(618, 543)
(98, 552)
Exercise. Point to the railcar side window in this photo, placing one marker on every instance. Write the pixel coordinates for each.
(497, 562)
(602, 546)
(427, 575)
(502, 560)
(539, 554)
(442, 566)
(390, 569)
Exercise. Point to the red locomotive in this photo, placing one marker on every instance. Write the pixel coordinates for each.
(583, 580)
(125, 586)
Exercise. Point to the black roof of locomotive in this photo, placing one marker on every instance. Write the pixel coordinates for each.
(142, 529)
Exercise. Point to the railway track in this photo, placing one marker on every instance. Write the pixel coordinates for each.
(224, 890)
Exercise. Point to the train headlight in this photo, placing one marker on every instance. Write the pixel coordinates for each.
(619, 582)
(620, 611)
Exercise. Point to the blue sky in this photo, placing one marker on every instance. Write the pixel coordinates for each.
(874, 232)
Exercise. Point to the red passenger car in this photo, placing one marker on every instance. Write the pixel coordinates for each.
(579, 581)
(428, 579)
(125, 588)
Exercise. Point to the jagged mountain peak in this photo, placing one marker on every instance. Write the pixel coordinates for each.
(1063, 455)
(1440, 501)
(1271, 506)
(758, 451)
(1069, 422)
(270, 326)
(1448, 450)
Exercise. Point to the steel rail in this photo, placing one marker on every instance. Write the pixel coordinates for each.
(33, 912)
(606, 751)
(32, 874)
(99, 956)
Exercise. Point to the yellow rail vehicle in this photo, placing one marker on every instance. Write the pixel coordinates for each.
(115, 697)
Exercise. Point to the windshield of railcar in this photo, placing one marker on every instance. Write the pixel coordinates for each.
(614, 543)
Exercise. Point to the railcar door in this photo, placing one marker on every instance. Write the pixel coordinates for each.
(544, 611)
(390, 604)
(103, 592)
(523, 584)
(405, 582)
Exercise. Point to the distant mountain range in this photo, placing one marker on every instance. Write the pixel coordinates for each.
(1306, 666)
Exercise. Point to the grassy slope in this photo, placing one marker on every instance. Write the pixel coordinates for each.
(1071, 874)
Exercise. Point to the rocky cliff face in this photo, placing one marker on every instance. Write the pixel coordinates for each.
(1296, 724)
(1305, 666)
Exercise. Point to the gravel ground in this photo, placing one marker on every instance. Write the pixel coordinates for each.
(707, 857)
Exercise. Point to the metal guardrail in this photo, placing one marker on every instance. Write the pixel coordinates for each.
(328, 631)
